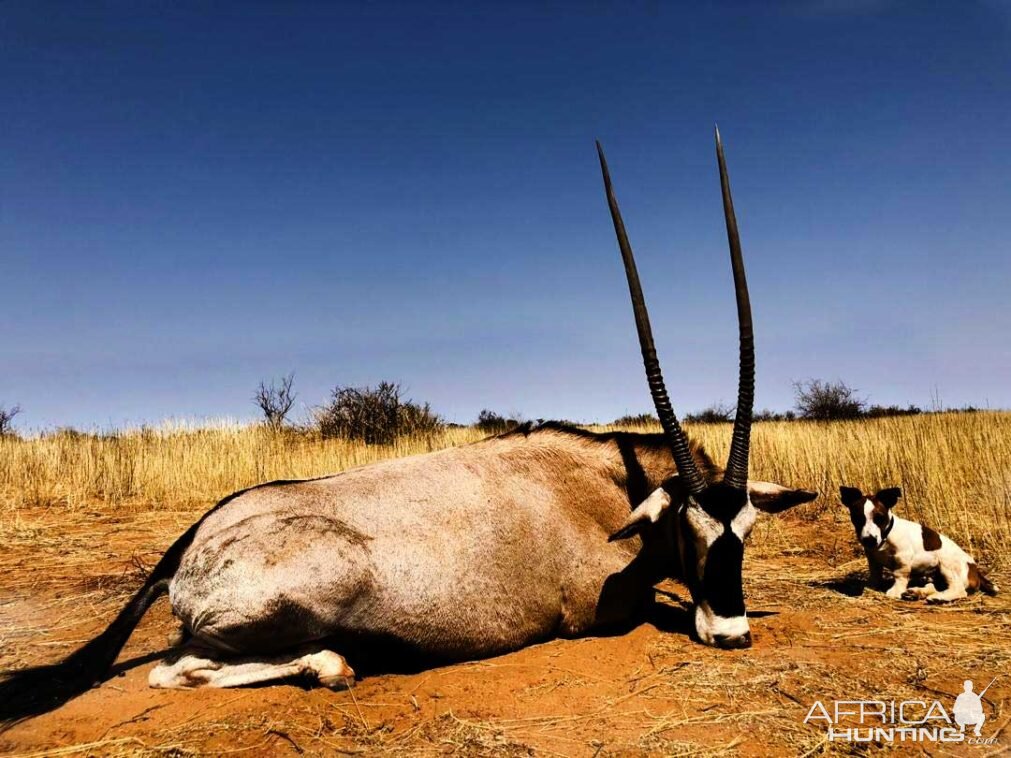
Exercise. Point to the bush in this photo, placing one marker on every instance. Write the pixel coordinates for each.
(718, 413)
(884, 411)
(376, 416)
(491, 422)
(275, 401)
(767, 415)
(641, 419)
(827, 401)
(70, 434)
(7, 419)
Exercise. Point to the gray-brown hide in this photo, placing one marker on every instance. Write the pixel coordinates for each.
(458, 554)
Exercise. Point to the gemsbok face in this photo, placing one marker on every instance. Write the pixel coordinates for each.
(712, 515)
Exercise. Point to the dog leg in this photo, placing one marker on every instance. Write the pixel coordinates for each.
(899, 585)
(954, 592)
(955, 575)
(920, 593)
(877, 576)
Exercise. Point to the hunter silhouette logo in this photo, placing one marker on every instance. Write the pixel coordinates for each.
(906, 720)
(968, 710)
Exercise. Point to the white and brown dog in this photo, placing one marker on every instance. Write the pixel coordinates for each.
(910, 550)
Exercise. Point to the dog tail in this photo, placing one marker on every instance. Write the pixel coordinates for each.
(978, 581)
(987, 586)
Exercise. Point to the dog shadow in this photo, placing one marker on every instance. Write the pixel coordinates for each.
(852, 585)
(856, 583)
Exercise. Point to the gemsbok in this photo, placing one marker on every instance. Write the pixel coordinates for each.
(543, 531)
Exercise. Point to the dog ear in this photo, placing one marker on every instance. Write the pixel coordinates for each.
(851, 496)
(889, 497)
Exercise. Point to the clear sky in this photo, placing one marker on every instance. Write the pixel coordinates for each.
(198, 195)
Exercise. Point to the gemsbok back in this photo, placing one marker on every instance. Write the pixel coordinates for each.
(541, 532)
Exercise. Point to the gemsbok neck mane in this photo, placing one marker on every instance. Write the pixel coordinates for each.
(646, 459)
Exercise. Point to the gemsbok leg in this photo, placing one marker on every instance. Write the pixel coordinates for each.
(198, 666)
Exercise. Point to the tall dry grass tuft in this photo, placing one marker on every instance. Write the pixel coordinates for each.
(172, 467)
(954, 468)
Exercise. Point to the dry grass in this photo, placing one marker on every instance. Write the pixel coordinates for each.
(954, 468)
(113, 502)
(180, 466)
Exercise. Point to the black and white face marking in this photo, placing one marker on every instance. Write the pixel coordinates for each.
(712, 528)
(875, 520)
(711, 539)
(871, 516)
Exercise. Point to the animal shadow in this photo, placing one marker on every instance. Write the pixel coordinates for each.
(122, 667)
(670, 618)
(856, 582)
(851, 585)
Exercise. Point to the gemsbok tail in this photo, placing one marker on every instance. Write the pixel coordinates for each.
(34, 691)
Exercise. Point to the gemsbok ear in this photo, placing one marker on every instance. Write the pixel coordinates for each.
(646, 514)
(889, 497)
(775, 498)
(851, 496)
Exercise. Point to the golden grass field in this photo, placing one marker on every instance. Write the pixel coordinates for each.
(83, 517)
(954, 468)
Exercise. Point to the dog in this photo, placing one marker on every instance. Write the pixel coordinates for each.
(910, 550)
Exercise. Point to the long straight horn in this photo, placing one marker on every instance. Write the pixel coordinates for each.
(737, 462)
(683, 459)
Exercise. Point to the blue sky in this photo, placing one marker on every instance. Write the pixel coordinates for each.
(198, 195)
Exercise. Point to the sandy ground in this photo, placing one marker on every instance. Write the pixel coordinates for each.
(818, 636)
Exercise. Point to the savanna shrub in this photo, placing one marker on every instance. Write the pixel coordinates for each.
(374, 415)
(494, 423)
(827, 401)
